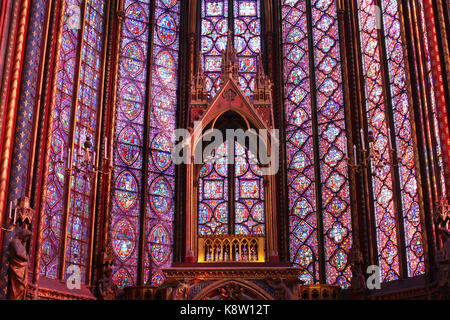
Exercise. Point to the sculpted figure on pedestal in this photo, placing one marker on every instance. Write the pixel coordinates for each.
(282, 291)
(18, 265)
(357, 283)
(107, 288)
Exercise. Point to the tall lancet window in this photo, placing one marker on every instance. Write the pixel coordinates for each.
(395, 194)
(67, 230)
(144, 176)
(129, 133)
(247, 41)
(242, 17)
(231, 195)
(318, 184)
(161, 170)
(214, 30)
(432, 101)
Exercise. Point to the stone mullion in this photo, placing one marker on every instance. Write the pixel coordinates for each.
(109, 110)
(189, 236)
(275, 70)
(273, 54)
(440, 93)
(188, 36)
(316, 145)
(350, 123)
(362, 184)
(146, 152)
(97, 181)
(394, 163)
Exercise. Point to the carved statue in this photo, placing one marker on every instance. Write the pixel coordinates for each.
(282, 291)
(358, 288)
(180, 291)
(107, 288)
(357, 283)
(222, 295)
(18, 265)
(234, 291)
(230, 292)
(243, 295)
(442, 232)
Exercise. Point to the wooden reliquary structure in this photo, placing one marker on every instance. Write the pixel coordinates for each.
(230, 248)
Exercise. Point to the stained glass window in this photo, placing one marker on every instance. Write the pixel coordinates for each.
(213, 215)
(403, 138)
(399, 141)
(60, 141)
(307, 112)
(161, 170)
(245, 20)
(218, 181)
(80, 217)
(129, 133)
(249, 193)
(387, 237)
(247, 41)
(157, 206)
(214, 29)
(79, 225)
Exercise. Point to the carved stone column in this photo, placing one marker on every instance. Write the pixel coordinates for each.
(9, 97)
(440, 94)
(110, 132)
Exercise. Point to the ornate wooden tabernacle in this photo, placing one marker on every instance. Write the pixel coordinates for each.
(231, 248)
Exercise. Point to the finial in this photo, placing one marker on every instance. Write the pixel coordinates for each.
(200, 63)
(260, 73)
(229, 59)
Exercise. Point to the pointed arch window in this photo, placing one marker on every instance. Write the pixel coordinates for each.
(68, 224)
(231, 195)
(144, 177)
(387, 106)
(244, 19)
(320, 221)
(314, 112)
